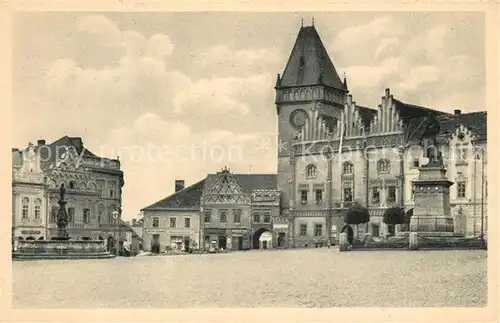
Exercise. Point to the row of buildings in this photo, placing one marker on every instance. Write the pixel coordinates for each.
(93, 192)
(332, 153)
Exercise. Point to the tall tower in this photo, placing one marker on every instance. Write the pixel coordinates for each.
(309, 81)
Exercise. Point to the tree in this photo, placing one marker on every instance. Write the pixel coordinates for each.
(394, 215)
(357, 214)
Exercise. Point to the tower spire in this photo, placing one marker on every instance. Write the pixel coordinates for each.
(313, 21)
(345, 80)
(301, 22)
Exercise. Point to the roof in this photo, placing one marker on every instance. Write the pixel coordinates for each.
(75, 142)
(366, 114)
(186, 198)
(476, 122)
(249, 182)
(309, 63)
(410, 112)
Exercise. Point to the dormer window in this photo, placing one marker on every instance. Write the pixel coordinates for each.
(311, 171)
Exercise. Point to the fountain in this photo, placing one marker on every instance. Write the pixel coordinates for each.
(61, 246)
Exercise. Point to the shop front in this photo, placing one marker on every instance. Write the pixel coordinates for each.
(280, 234)
(240, 239)
(215, 239)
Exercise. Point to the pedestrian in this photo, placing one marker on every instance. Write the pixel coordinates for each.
(328, 243)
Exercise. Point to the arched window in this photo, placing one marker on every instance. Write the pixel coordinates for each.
(383, 166)
(83, 186)
(26, 208)
(38, 208)
(348, 168)
(72, 185)
(311, 171)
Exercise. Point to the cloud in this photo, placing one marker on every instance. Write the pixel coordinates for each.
(354, 36)
(155, 151)
(366, 76)
(385, 44)
(222, 94)
(420, 75)
(223, 60)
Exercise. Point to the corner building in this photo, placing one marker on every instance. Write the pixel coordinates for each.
(333, 152)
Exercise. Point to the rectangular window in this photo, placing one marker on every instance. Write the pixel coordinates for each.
(173, 222)
(347, 194)
(25, 211)
(256, 217)
(319, 196)
(71, 214)
(375, 195)
(462, 153)
(37, 211)
(86, 215)
(461, 190)
(303, 196)
(100, 188)
(54, 214)
(187, 222)
(303, 229)
(318, 230)
(267, 217)
(156, 222)
(223, 216)
(208, 216)
(237, 215)
(391, 194)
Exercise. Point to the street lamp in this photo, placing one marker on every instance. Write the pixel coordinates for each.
(114, 214)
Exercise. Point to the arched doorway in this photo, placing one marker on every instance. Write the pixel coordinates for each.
(265, 240)
(256, 238)
(350, 233)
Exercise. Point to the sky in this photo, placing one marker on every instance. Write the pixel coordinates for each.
(180, 95)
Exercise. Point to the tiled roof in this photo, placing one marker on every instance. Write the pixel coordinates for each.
(249, 182)
(475, 122)
(188, 198)
(65, 141)
(409, 112)
(309, 62)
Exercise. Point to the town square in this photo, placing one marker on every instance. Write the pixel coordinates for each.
(294, 175)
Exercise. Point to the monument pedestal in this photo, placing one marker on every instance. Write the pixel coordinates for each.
(432, 211)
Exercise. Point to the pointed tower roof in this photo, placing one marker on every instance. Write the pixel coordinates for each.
(309, 62)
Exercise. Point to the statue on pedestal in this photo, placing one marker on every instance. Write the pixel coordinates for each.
(429, 141)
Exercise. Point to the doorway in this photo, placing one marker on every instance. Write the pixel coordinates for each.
(111, 243)
(186, 245)
(281, 239)
(240, 243)
(222, 242)
(256, 241)
(155, 243)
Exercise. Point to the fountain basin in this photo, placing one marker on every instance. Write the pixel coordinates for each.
(60, 249)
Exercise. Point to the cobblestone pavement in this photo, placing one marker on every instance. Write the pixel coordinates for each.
(286, 278)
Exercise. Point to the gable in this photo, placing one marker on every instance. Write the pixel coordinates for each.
(225, 190)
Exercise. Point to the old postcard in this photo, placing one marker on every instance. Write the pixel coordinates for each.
(195, 163)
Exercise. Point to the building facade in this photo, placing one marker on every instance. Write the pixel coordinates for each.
(333, 153)
(93, 189)
(29, 195)
(173, 223)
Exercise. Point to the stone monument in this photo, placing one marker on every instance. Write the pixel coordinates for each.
(62, 217)
(432, 211)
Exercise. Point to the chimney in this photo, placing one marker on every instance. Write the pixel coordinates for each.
(179, 185)
(41, 142)
(457, 112)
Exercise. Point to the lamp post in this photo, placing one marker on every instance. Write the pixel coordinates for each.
(114, 214)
